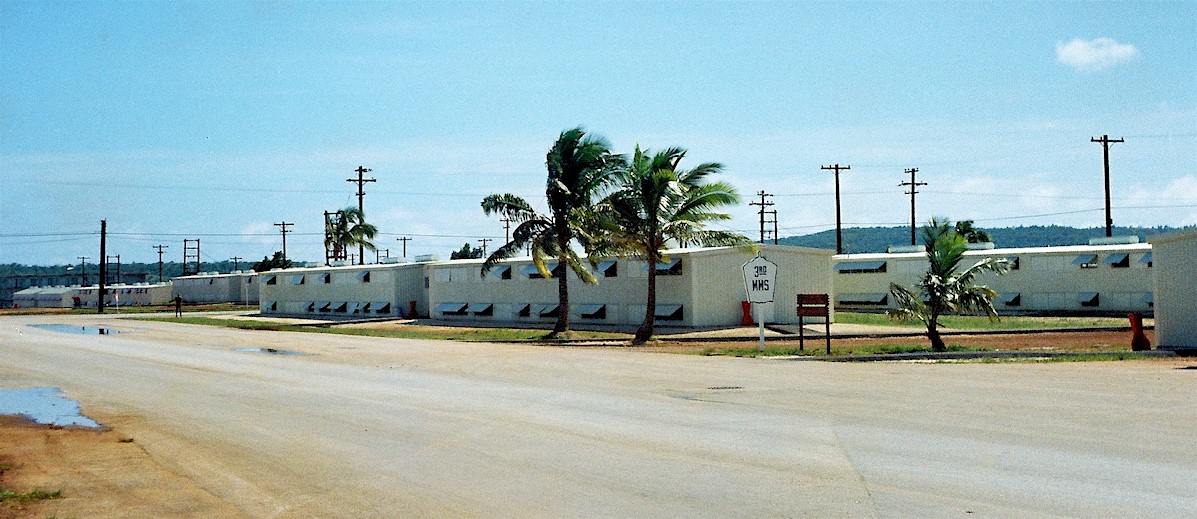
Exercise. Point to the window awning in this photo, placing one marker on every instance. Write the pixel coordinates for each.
(504, 271)
(667, 310)
(1086, 297)
(355, 308)
(1149, 298)
(531, 270)
(381, 307)
(363, 275)
(1008, 298)
(862, 299)
(270, 280)
(548, 310)
(589, 310)
(340, 307)
(451, 307)
(297, 279)
(666, 265)
(1146, 258)
(1116, 258)
(310, 306)
(323, 306)
(860, 266)
(481, 308)
(1085, 259)
(606, 264)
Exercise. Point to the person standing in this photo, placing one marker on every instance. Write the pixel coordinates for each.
(178, 306)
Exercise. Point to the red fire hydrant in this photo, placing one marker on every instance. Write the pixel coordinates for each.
(746, 318)
(1139, 341)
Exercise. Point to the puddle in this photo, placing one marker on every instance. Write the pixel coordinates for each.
(81, 330)
(44, 405)
(269, 351)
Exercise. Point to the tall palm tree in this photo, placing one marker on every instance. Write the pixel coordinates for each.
(656, 202)
(972, 234)
(943, 288)
(349, 229)
(579, 168)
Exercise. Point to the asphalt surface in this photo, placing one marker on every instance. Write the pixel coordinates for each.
(357, 427)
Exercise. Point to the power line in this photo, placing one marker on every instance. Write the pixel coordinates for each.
(913, 191)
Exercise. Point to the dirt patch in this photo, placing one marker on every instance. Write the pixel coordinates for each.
(1049, 341)
(100, 474)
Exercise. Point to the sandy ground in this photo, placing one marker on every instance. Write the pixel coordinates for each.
(1047, 341)
(100, 474)
(105, 474)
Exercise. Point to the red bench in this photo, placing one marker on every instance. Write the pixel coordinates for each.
(814, 305)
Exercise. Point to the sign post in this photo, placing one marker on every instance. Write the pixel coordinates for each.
(760, 280)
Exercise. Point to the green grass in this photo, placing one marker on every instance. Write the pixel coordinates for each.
(969, 322)
(836, 350)
(36, 494)
(401, 332)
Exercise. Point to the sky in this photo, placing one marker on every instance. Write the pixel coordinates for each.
(216, 120)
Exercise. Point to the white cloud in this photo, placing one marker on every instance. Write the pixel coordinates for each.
(1096, 54)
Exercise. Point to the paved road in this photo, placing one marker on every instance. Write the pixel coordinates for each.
(362, 427)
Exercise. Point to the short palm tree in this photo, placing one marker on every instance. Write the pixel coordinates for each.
(349, 229)
(579, 169)
(944, 288)
(656, 202)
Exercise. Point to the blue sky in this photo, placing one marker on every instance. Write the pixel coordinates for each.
(214, 120)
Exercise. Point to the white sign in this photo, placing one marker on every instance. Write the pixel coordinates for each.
(760, 279)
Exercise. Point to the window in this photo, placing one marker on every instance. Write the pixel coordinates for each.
(324, 306)
(1118, 261)
(1012, 262)
(669, 312)
(364, 277)
(1011, 299)
(483, 309)
(549, 310)
(524, 311)
(673, 267)
(860, 267)
(381, 307)
(326, 278)
(1146, 259)
(452, 308)
(270, 306)
(502, 272)
(341, 307)
(592, 311)
(271, 280)
(1088, 299)
(297, 279)
(877, 299)
(1086, 261)
(609, 268)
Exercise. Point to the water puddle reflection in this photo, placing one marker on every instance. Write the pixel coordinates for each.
(70, 328)
(44, 405)
(269, 351)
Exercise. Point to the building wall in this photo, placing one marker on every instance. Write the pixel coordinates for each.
(344, 291)
(1175, 258)
(707, 284)
(236, 287)
(1047, 279)
(128, 295)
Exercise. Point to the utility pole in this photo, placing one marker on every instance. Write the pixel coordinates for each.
(283, 225)
(361, 183)
(774, 214)
(506, 229)
(839, 237)
(404, 239)
(103, 266)
(160, 247)
(235, 264)
(913, 191)
(83, 270)
(378, 258)
(763, 205)
(1106, 141)
(484, 241)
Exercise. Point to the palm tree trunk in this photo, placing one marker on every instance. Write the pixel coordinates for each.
(933, 334)
(562, 300)
(645, 332)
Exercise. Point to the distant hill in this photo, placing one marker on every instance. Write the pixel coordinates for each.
(877, 239)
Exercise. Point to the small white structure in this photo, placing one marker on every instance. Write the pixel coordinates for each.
(141, 294)
(214, 287)
(1082, 278)
(1175, 259)
(384, 290)
(45, 297)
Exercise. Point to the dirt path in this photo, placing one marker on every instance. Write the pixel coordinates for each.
(100, 474)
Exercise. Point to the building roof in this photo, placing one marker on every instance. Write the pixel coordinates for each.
(1066, 249)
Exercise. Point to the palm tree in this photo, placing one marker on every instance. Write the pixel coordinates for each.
(657, 202)
(347, 230)
(971, 234)
(943, 289)
(579, 168)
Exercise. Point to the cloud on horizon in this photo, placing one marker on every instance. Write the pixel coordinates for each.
(1096, 54)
